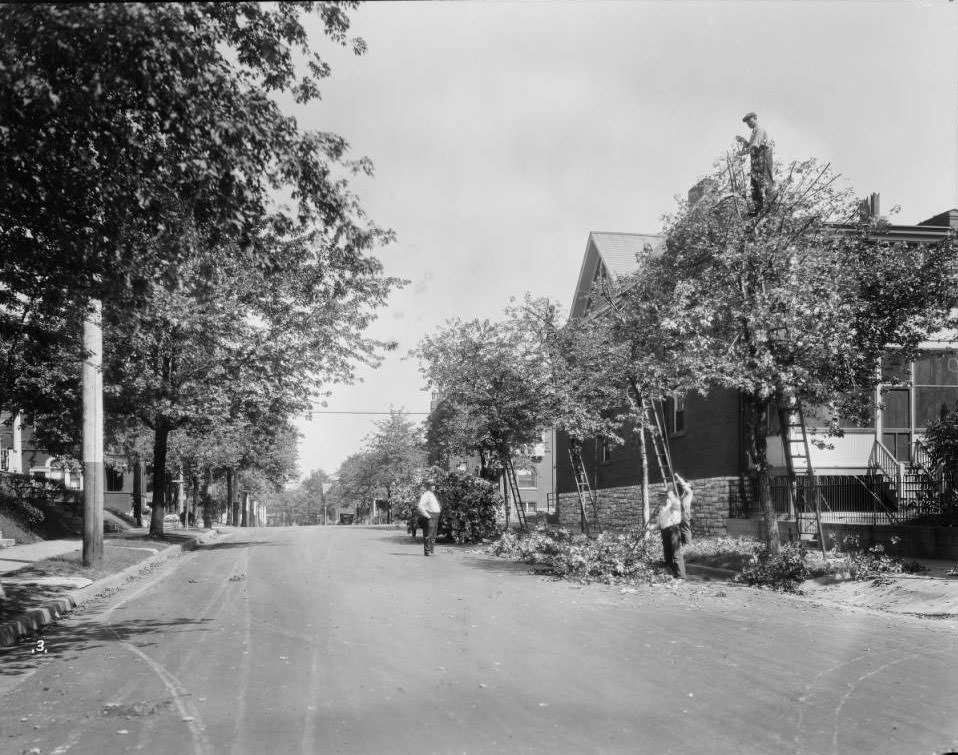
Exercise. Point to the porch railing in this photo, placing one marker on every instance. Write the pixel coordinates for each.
(860, 497)
(882, 460)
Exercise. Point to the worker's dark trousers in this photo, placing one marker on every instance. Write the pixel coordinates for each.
(672, 550)
(429, 534)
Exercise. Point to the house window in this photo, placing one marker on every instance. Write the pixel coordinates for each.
(915, 394)
(935, 386)
(114, 479)
(526, 478)
(678, 415)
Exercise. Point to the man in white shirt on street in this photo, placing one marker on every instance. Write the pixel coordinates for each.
(429, 509)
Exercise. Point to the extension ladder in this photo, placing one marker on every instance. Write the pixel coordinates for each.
(582, 486)
(655, 425)
(806, 498)
(514, 492)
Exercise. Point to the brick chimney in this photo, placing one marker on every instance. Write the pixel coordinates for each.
(870, 208)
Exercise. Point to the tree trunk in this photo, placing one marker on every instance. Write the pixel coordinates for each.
(244, 518)
(208, 500)
(232, 507)
(160, 438)
(644, 453)
(757, 416)
(138, 491)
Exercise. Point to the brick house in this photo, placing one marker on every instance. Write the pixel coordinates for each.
(21, 453)
(707, 434)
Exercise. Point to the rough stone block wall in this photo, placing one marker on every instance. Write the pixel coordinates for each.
(621, 508)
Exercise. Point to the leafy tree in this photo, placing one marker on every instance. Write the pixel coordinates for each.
(356, 484)
(396, 455)
(798, 301)
(941, 440)
(494, 387)
(303, 503)
(141, 150)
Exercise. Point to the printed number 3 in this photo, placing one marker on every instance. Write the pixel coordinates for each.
(41, 647)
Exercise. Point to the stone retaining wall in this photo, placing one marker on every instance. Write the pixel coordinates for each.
(621, 508)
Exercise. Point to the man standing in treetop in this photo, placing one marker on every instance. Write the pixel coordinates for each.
(759, 149)
(429, 509)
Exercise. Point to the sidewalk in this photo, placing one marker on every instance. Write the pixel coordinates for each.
(34, 600)
(17, 556)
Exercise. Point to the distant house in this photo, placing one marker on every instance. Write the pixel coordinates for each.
(707, 435)
(21, 453)
(535, 467)
(535, 472)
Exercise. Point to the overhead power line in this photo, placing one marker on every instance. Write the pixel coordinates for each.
(330, 411)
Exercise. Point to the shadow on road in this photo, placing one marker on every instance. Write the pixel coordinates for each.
(65, 643)
(502, 565)
(231, 545)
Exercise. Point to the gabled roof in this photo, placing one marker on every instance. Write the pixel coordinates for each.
(610, 255)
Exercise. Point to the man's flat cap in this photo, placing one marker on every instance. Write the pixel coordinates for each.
(749, 115)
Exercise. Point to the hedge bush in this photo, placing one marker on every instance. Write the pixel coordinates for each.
(469, 506)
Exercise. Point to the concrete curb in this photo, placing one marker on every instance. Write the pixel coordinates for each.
(712, 572)
(27, 623)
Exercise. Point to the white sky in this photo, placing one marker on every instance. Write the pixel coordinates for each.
(504, 132)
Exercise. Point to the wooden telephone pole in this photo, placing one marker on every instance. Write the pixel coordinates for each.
(92, 382)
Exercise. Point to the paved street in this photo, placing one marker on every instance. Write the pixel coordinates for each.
(347, 640)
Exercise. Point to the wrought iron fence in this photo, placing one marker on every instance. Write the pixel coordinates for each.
(859, 497)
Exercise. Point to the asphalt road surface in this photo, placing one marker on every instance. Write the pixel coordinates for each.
(348, 640)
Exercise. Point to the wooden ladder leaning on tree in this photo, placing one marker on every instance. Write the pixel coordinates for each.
(798, 464)
(655, 426)
(582, 486)
(513, 483)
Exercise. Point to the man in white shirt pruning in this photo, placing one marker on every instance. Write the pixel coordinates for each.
(429, 509)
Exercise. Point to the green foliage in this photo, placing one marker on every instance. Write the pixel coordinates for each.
(150, 178)
(784, 570)
(611, 559)
(388, 467)
(469, 506)
(799, 300)
(494, 385)
(20, 509)
(721, 552)
(941, 440)
(873, 564)
(303, 504)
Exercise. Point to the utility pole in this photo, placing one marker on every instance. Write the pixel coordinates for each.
(91, 378)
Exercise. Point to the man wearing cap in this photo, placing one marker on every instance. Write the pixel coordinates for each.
(759, 149)
(429, 510)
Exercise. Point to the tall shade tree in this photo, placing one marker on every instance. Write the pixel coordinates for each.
(795, 302)
(494, 385)
(137, 139)
(223, 345)
(396, 452)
